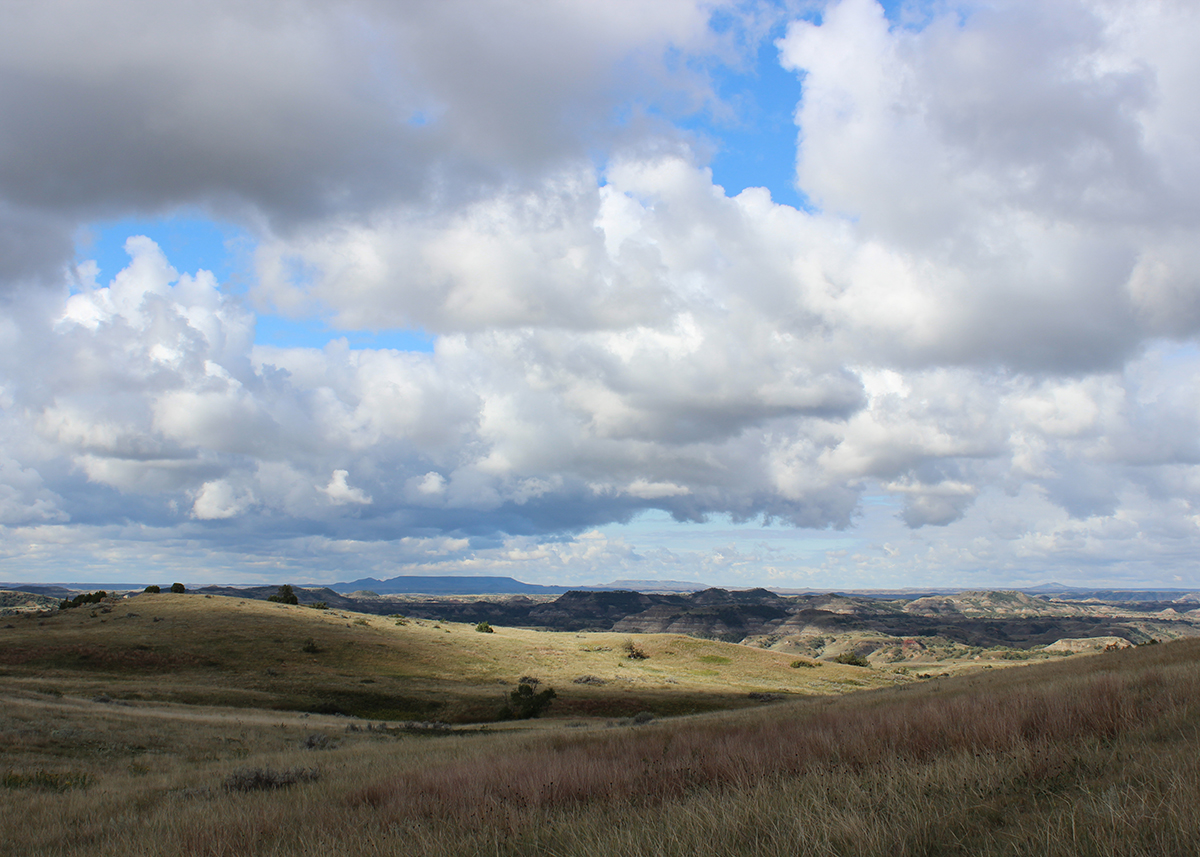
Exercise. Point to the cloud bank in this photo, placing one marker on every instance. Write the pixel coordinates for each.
(974, 353)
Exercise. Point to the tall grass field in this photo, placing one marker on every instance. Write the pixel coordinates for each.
(193, 748)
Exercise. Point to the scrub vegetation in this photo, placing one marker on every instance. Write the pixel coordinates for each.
(1089, 754)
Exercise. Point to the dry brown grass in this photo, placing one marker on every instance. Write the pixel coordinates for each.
(1092, 755)
(663, 763)
(233, 652)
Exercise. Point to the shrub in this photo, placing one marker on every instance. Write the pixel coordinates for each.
(853, 659)
(484, 628)
(633, 651)
(83, 598)
(319, 605)
(178, 587)
(263, 779)
(154, 588)
(42, 780)
(801, 664)
(285, 595)
(524, 703)
(310, 646)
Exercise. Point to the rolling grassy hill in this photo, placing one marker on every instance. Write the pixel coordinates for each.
(236, 652)
(1088, 755)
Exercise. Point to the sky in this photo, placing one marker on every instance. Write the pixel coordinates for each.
(800, 294)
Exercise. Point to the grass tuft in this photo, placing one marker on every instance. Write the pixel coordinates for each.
(266, 779)
(42, 780)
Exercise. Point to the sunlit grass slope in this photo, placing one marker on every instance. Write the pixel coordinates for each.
(1095, 755)
(226, 651)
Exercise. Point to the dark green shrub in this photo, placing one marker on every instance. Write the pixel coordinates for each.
(853, 659)
(285, 595)
(319, 605)
(484, 628)
(82, 598)
(178, 587)
(524, 703)
(310, 646)
(800, 664)
(154, 588)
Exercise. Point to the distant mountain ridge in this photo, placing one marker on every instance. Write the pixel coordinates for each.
(437, 585)
(485, 585)
(465, 585)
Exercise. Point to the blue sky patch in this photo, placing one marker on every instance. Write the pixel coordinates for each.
(283, 332)
(190, 243)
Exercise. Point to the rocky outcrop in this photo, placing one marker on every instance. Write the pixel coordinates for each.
(1090, 644)
(579, 611)
(990, 604)
(716, 614)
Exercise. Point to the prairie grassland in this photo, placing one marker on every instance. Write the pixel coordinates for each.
(1090, 755)
(233, 652)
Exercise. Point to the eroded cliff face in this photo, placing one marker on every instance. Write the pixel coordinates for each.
(805, 623)
(992, 605)
(731, 622)
(580, 611)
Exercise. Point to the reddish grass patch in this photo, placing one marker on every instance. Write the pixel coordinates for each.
(651, 765)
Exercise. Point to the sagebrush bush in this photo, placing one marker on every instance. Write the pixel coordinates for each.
(42, 780)
(265, 778)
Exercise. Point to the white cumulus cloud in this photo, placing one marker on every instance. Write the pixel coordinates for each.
(973, 354)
